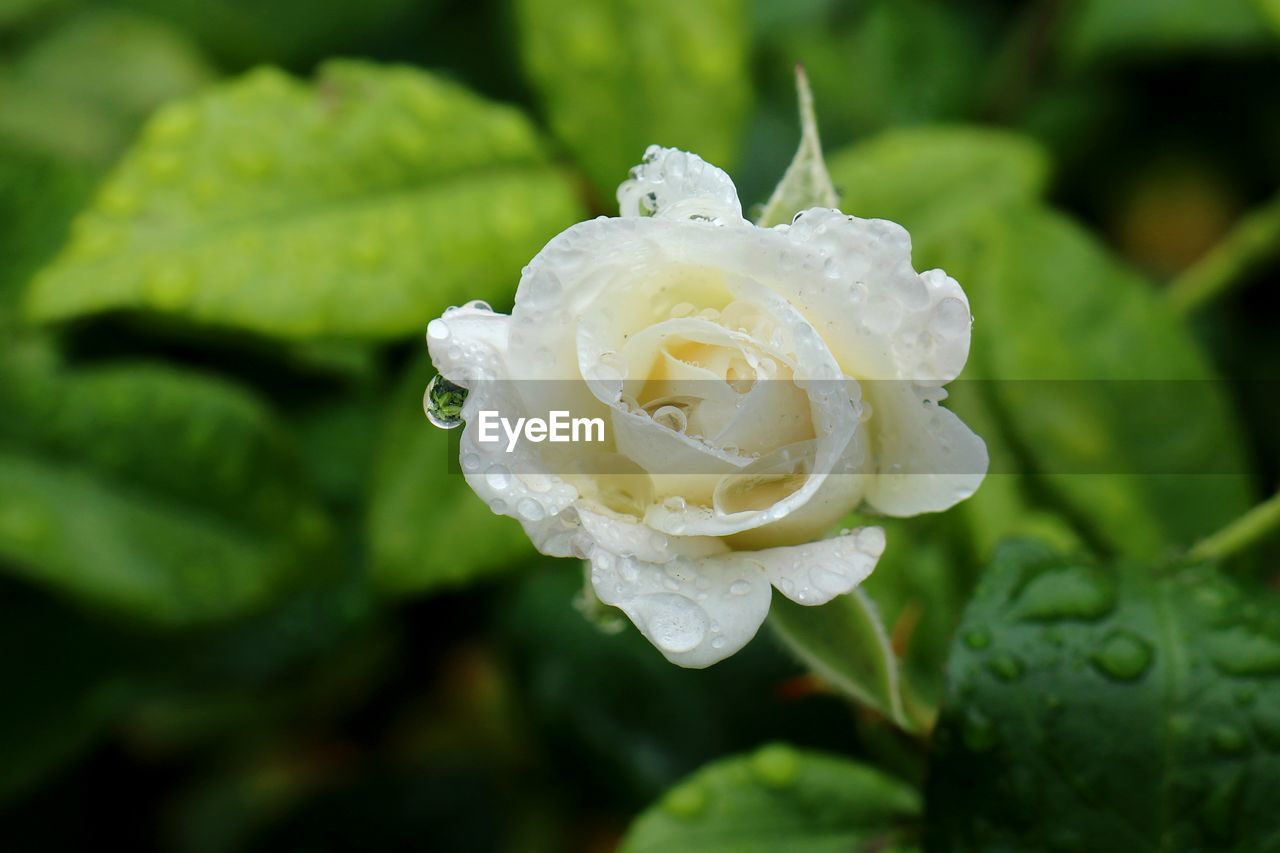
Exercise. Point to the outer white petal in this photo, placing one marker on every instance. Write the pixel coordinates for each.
(881, 319)
(927, 458)
(695, 611)
(819, 571)
(469, 342)
(698, 611)
(674, 184)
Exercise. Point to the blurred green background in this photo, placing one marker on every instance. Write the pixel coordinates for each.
(243, 605)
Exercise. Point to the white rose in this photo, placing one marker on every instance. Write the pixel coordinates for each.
(732, 364)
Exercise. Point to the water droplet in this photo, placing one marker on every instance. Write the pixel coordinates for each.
(671, 417)
(531, 510)
(776, 765)
(470, 462)
(674, 504)
(1124, 655)
(1006, 667)
(718, 643)
(675, 624)
(1074, 592)
(739, 588)
(1240, 651)
(977, 638)
(443, 403)
(951, 318)
(686, 801)
(497, 477)
(499, 506)
(437, 330)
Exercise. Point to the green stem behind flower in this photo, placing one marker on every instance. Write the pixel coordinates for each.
(1256, 524)
(1251, 243)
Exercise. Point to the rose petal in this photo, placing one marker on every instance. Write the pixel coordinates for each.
(696, 612)
(817, 572)
(928, 460)
(674, 184)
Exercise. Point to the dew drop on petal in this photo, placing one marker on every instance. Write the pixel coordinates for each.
(675, 624)
(951, 318)
(443, 403)
(497, 477)
(739, 588)
(437, 330)
(531, 510)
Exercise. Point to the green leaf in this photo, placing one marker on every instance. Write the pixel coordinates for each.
(1125, 402)
(38, 197)
(806, 183)
(1103, 28)
(426, 528)
(933, 180)
(845, 644)
(1108, 706)
(80, 94)
(618, 76)
(968, 198)
(779, 798)
(359, 206)
(149, 491)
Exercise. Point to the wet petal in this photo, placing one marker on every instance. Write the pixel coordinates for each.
(928, 460)
(674, 184)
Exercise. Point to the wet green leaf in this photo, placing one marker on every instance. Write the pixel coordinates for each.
(426, 528)
(1090, 701)
(845, 643)
(358, 206)
(932, 180)
(1123, 419)
(150, 491)
(617, 77)
(779, 798)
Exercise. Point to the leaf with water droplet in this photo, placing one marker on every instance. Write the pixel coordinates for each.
(777, 797)
(1137, 691)
(281, 192)
(156, 493)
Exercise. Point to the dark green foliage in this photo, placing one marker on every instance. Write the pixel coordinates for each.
(1090, 701)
